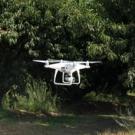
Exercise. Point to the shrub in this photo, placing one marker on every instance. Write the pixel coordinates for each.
(38, 98)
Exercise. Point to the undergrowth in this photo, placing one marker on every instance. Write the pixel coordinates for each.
(38, 98)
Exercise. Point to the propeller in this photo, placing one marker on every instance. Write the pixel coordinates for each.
(92, 62)
(88, 62)
(41, 61)
(51, 61)
(64, 61)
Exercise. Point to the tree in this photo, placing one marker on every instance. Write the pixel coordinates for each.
(72, 30)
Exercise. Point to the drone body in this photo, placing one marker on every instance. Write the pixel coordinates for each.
(68, 69)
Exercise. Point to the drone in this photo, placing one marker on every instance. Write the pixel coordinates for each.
(70, 70)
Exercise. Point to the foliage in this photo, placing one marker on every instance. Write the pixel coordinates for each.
(73, 30)
(38, 99)
(108, 98)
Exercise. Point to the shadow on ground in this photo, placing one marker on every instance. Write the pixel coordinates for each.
(16, 123)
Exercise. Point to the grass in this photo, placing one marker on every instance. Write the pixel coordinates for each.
(15, 123)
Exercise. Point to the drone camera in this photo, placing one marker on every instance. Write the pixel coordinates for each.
(69, 79)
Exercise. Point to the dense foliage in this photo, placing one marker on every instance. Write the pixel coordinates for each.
(72, 30)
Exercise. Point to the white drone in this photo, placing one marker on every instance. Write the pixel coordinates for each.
(68, 70)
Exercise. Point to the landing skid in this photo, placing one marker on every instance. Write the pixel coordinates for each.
(71, 77)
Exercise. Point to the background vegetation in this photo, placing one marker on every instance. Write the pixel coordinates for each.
(66, 29)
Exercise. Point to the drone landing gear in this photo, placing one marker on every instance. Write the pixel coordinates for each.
(67, 78)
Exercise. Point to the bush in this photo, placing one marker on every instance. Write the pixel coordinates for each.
(102, 97)
(38, 98)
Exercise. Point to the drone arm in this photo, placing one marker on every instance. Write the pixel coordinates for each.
(56, 66)
(81, 66)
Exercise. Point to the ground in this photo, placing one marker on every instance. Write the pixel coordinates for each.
(14, 123)
(67, 125)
